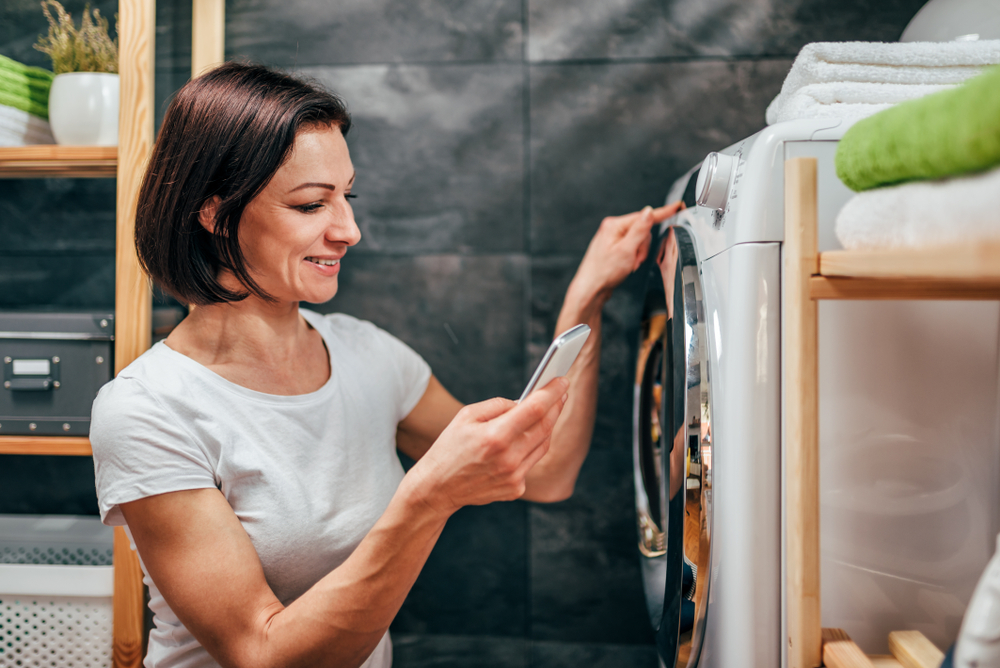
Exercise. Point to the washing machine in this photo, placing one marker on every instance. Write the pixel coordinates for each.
(909, 435)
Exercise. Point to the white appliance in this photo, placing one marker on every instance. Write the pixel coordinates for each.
(910, 463)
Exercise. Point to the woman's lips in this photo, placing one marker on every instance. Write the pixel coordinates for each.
(326, 266)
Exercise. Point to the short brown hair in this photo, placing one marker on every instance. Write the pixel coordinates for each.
(224, 134)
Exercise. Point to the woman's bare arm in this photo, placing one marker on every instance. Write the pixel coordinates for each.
(619, 247)
(196, 551)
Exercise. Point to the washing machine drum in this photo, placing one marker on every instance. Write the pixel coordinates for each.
(672, 445)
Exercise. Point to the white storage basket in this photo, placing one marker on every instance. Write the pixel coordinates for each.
(56, 586)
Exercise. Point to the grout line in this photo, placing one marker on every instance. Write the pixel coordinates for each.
(630, 60)
(526, 161)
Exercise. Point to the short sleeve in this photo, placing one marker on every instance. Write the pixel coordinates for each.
(410, 372)
(141, 449)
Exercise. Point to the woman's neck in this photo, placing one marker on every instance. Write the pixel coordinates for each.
(264, 346)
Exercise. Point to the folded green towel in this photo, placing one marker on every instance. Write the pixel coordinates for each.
(33, 108)
(14, 67)
(953, 132)
(30, 89)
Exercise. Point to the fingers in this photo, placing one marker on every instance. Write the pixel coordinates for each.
(642, 252)
(667, 210)
(484, 411)
(519, 421)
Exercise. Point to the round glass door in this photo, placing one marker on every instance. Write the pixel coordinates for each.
(672, 447)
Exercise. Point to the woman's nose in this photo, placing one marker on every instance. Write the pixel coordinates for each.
(345, 229)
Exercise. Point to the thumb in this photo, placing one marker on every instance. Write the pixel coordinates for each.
(484, 411)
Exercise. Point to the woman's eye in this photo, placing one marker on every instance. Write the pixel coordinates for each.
(309, 208)
(350, 196)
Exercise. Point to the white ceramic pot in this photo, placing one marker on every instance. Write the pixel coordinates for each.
(83, 109)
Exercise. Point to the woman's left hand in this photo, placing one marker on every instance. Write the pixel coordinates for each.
(618, 249)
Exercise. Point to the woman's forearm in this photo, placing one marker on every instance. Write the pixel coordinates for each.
(554, 477)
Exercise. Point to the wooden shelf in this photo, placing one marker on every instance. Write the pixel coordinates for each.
(49, 160)
(45, 445)
(955, 272)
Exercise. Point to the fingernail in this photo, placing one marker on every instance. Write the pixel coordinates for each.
(565, 397)
(648, 210)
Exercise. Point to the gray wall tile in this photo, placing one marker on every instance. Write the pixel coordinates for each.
(78, 281)
(574, 655)
(585, 580)
(474, 580)
(31, 484)
(46, 216)
(456, 651)
(465, 315)
(607, 139)
(597, 29)
(295, 33)
(439, 153)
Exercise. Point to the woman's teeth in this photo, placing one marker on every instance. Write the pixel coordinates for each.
(326, 263)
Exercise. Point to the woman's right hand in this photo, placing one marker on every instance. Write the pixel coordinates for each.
(486, 451)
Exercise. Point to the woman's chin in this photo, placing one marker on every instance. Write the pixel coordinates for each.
(319, 295)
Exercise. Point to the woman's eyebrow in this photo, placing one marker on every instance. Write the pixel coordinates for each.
(328, 186)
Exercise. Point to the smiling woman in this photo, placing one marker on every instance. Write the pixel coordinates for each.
(252, 454)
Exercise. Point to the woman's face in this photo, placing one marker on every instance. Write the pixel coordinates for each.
(294, 233)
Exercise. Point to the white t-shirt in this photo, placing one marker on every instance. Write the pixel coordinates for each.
(306, 475)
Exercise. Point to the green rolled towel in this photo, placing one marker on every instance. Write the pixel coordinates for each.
(953, 132)
(33, 108)
(24, 87)
(14, 67)
(36, 90)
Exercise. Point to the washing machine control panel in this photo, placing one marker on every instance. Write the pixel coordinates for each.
(712, 188)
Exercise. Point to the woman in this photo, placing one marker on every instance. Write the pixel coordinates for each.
(251, 455)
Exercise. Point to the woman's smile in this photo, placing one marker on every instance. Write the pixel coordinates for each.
(325, 266)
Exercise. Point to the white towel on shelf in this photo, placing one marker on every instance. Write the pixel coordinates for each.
(848, 99)
(19, 128)
(907, 64)
(923, 213)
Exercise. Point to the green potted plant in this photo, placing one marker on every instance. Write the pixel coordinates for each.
(83, 100)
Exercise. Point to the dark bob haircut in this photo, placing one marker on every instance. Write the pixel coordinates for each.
(225, 134)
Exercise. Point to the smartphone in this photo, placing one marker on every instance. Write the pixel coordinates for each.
(558, 358)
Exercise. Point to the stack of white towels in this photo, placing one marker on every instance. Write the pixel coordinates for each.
(19, 128)
(853, 80)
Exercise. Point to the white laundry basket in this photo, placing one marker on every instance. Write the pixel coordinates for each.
(56, 587)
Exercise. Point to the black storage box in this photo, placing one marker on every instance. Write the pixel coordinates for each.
(53, 366)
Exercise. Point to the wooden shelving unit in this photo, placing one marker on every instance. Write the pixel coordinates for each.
(45, 445)
(20, 162)
(126, 162)
(957, 272)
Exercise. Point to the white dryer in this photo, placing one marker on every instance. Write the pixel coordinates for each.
(910, 463)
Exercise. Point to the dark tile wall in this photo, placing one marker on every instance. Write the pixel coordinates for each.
(490, 138)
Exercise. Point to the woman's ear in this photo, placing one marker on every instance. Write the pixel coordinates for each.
(206, 215)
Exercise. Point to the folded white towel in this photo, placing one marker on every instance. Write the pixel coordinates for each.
(909, 64)
(848, 99)
(923, 213)
(19, 128)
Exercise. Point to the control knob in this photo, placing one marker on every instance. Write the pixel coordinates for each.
(712, 188)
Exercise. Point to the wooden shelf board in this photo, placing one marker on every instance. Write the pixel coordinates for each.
(45, 445)
(823, 287)
(48, 160)
(978, 262)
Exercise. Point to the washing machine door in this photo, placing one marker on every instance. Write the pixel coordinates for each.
(672, 445)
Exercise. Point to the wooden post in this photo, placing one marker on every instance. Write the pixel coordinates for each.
(208, 35)
(133, 304)
(801, 411)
